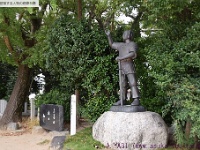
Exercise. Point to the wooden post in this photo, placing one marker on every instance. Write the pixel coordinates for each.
(32, 102)
(73, 115)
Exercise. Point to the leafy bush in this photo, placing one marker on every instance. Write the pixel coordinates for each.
(97, 106)
(7, 80)
(175, 67)
(79, 57)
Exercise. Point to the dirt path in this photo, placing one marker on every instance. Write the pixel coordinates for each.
(24, 141)
(27, 139)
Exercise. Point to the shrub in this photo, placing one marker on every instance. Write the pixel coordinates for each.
(97, 106)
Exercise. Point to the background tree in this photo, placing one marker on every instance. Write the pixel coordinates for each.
(19, 48)
(173, 56)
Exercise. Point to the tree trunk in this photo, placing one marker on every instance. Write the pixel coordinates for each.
(135, 27)
(196, 139)
(13, 111)
(77, 93)
(188, 130)
(79, 9)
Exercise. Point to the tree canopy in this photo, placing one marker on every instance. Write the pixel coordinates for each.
(19, 46)
(173, 55)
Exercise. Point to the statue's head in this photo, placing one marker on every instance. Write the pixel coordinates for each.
(128, 34)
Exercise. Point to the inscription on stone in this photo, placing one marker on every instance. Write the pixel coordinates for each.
(51, 117)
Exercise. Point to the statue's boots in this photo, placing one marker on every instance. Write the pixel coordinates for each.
(119, 103)
(136, 102)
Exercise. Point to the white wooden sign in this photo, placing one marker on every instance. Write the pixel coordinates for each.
(73, 115)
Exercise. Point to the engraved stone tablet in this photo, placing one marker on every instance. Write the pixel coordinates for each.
(51, 117)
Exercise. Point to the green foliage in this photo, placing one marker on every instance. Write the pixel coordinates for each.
(57, 97)
(7, 80)
(36, 53)
(74, 49)
(173, 56)
(146, 84)
(177, 80)
(97, 106)
(26, 44)
(13, 32)
(79, 57)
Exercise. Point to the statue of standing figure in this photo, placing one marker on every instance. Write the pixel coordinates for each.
(127, 52)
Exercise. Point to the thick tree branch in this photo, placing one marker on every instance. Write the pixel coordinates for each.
(99, 20)
(104, 24)
(36, 22)
(44, 7)
(6, 20)
(10, 48)
(132, 17)
(91, 14)
(36, 19)
(21, 16)
(79, 9)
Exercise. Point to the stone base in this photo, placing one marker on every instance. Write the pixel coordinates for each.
(127, 108)
(131, 131)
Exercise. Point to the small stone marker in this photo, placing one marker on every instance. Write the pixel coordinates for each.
(58, 142)
(32, 102)
(3, 104)
(51, 117)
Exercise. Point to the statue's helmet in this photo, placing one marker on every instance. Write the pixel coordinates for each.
(128, 34)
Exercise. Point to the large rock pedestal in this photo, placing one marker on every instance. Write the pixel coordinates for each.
(131, 131)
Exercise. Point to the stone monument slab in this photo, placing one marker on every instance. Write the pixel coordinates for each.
(51, 117)
(136, 130)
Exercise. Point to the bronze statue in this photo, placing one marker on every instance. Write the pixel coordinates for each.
(127, 52)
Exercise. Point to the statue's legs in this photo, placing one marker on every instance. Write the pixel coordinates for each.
(134, 89)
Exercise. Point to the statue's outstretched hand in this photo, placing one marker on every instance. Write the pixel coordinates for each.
(107, 32)
(117, 58)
